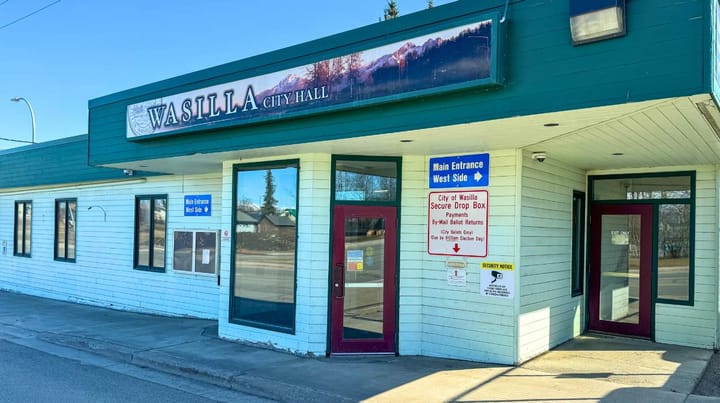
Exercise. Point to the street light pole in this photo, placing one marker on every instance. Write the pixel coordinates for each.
(32, 113)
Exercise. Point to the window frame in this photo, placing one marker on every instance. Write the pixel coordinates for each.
(151, 240)
(67, 202)
(338, 158)
(577, 281)
(193, 269)
(23, 252)
(259, 166)
(656, 203)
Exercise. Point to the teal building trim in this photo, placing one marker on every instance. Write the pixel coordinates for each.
(544, 73)
(55, 162)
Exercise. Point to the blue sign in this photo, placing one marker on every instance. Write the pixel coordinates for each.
(462, 171)
(198, 205)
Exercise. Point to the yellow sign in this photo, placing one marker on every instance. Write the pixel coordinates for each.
(497, 266)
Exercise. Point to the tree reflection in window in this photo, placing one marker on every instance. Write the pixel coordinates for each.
(265, 246)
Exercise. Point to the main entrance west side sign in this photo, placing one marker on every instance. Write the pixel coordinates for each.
(460, 171)
(456, 57)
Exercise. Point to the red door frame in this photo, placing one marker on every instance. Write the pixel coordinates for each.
(339, 345)
(643, 328)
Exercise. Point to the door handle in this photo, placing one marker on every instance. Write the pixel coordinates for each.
(339, 281)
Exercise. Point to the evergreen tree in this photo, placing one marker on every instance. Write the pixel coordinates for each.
(392, 10)
(269, 201)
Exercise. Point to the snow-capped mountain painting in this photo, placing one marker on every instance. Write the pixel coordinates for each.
(453, 56)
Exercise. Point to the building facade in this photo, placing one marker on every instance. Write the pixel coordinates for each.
(470, 181)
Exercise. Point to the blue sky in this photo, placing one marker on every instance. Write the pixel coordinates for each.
(76, 50)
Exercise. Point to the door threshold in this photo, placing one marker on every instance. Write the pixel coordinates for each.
(617, 335)
(361, 354)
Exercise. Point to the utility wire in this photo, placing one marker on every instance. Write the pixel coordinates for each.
(17, 141)
(28, 15)
(4, 2)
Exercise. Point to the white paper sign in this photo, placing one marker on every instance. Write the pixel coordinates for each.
(206, 256)
(457, 277)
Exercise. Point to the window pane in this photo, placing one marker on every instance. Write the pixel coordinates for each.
(365, 180)
(72, 210)
(60, 230)
(620, 268)
(265, 225)
(674, 252)
(28, 227)
(143, 235)
(645, 188)
(363, 303)
(159, 214)
(205, 244)
(578, 243)
(20, 214)
(182, 252)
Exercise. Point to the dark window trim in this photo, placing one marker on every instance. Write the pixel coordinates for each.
(22, 252)
(257, 166)
(578, 245)
(656, 203)
(151, 251)
(398, 179)
(67, 201)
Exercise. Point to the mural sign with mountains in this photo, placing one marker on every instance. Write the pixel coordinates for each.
(452, 57)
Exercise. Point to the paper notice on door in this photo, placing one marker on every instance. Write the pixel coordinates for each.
(206, 256)
(354, 260)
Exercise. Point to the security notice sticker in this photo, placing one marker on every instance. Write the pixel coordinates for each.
(497, 279)
(457, 223)
(354, 260)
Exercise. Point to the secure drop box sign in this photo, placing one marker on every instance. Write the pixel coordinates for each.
(460, 171)
(457, 223)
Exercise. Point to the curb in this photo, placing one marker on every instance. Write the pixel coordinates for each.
(241, 382)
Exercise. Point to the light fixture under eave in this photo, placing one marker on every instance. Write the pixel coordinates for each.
(618, 154)
(595, 20)
(552, 124)
(406, 141)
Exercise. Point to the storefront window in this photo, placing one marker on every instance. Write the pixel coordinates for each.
(263, 279)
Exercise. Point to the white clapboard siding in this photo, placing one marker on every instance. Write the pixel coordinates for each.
(103, 273)
(457, 322)
(313, 262)
(549, 315)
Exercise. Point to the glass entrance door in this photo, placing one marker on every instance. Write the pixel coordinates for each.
(363, 280)
(620, 269)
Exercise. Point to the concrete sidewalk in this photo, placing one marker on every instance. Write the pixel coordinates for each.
(589, 368)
